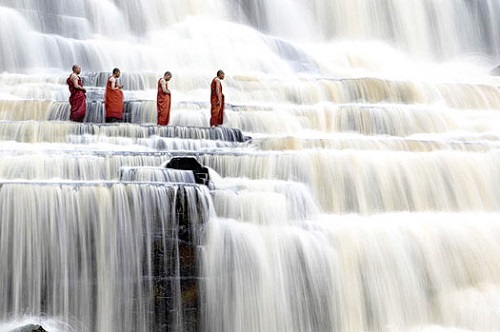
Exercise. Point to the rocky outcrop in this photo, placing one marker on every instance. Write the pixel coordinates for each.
(30, 328)
(200, 172)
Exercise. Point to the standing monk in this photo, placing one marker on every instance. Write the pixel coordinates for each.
(216, 100)
(113, 98)
(163, 100)
(77, 99)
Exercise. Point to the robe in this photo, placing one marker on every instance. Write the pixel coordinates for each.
(216, 111)
(77, 101)
(113, 103)
(163, 103)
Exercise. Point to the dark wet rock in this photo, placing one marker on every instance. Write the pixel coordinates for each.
(495, 71)
(200, 172)
(30, 328)
(174, 270)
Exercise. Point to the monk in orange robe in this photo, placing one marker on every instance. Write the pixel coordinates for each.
(216, 100)
(163, 100)
(77, 99)
(113, 98)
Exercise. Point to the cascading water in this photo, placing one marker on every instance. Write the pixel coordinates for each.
(366, 199)
(88, 254)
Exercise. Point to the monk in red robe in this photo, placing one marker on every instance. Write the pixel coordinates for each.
(113, 98)
(216, 100)
(77, 99)
(163, 100)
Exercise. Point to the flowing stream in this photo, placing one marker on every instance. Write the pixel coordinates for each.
(355, 181)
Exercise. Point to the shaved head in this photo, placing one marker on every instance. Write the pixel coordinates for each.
(76, 69)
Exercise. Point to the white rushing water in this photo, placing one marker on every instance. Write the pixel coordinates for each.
(366, 200)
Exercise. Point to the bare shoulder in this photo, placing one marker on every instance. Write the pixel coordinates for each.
(112, 79)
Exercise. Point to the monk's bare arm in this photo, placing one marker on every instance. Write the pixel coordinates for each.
(115, 86)
(218, 91)
(74, 80)
(163, 84)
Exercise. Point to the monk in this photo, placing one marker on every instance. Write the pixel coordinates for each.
(216, 100)
(77, 99)
(113, 98)
(163, 100)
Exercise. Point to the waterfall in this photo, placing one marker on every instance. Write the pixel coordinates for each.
(391, 272)
(156, 174)
(102, 34)
(352, 186)
(96, 253)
